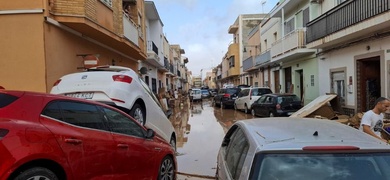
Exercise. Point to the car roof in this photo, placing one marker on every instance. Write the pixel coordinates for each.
(287, 133)
(281, 94)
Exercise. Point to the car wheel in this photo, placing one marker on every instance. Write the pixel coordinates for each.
(173, 143)
(271, 114)
(253, 112)
(36, 173)
(246, 109)
(137, 113)
(166, 171)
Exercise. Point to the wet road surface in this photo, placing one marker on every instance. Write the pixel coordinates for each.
(200, 128)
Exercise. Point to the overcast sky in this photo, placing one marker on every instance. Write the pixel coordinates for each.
(200, 27)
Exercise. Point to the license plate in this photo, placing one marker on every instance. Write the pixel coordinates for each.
(88, 95)
(234, 97)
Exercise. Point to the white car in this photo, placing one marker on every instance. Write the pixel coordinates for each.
(195, 95)
(120, 87)
(248, 96)
(300, 148)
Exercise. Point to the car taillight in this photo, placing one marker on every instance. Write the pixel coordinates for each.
(57, 82)
(277, 106)
(329, 148)
(122, 78)
(226, 95)
(3, 132)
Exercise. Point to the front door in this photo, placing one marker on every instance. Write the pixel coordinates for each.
(277, 81)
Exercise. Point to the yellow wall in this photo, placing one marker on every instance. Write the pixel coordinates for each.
(234, 51)
(22, 55)
(21, 4)
(62, 49)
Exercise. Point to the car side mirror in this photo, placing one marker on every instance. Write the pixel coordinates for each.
(168, 113)
(149, 133)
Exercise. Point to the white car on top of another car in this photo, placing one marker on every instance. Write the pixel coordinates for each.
(247, 96)
(120, 87)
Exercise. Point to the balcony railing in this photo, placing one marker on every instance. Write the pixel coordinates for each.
(343, 16)
(263, 58)
(152, 47)
(166, 63)
(171, 68)
(293, 40)
(247, 64)
(130, 30)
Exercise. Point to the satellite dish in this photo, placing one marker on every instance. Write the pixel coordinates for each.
(143, 70)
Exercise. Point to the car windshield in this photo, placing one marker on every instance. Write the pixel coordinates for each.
(259, 92)
(232, 90)
(205, 92)
(340, 166)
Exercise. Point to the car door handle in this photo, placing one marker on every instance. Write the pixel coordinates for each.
(73, 141)
(123, 146)
(157, 149)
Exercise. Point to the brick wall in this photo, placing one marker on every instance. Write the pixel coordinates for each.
(74, 7)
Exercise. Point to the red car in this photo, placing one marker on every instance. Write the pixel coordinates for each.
(53, 137)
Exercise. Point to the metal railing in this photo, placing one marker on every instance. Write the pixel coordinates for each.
(152, 47)
(294, 40)
(343, 16)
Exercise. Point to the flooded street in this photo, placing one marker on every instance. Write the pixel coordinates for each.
(200, 128)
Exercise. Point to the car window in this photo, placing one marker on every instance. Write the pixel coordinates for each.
(236, 153)
(232, 90)
(268, 100)
(261, 99)
(76, 113)
(341, 166)
(122, 124)
(6, 99)
(260, 91)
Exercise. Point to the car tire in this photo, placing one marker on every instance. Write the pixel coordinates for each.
(138, 114)
(253, 112)
(271, 114)
(36, 173)
(167, 169)
(246, 110)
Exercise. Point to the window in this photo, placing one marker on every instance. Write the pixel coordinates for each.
(306, 17)
(122, 124)
(6, 99)
(107, 2)
(236, 153)
(289, 26)
(231, 61)
(312, 80)
(76, 113)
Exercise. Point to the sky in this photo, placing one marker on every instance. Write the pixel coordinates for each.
(201, 27)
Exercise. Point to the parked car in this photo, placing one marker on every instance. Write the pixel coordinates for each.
(195, 95)
(122, 88)
(226, 97)
(46, 136)
(247, 96)
(300, 148)
(243, 86)
(278, 104)
(205, 93)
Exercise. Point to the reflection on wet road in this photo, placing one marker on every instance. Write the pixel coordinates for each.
(200, 128)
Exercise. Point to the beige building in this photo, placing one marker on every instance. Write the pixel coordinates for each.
(44, 40)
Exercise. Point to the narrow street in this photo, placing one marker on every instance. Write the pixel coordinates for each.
(200, 128)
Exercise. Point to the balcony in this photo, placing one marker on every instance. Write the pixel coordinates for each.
(263, 58)
(247, 64)
(233, 29)
(165, 68)
(291, 46)
(171, 70)
(130, 30)
(285, 6)
(95, 20)
(348, 21)
(153, 58)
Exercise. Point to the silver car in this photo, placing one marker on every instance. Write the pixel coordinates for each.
(300, 148)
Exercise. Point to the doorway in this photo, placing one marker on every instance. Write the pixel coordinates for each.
(277, 81)
(287, 80)
(368, 82)
(299, 84)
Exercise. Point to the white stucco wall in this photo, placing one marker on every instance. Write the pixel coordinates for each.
(346, 57)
